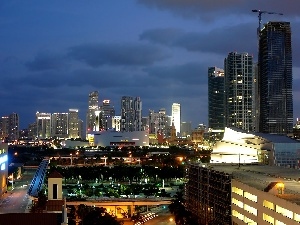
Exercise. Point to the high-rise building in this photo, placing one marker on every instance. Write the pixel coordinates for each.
(4, 127)
(116, 123)
(238, 90)
(43, 125)
(108, 112)
(131, 114)
(13, 133)
(9, 127)
(93, 106)
(157, 121)
(186, 129)
(73, 124)
(59, 125)
(216, 94)
(176, 116)
(275, 79)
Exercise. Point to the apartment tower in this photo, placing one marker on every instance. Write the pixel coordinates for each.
(238, 90)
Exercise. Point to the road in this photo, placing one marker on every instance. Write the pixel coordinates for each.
(16, 201)
(162, 219)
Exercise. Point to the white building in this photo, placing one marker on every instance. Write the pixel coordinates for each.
(114, 138)
(176, 116)
(238, 146)
(43, 123)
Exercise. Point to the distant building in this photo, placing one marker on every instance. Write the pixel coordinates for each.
(59, 125)
(238, 91)
(158, 121)
(108, 112)
(119, 139)
(73, 124)
(176, 116)
(43, 122)
(116, 123)
(93, 106)
(216, 98)
(275, 79)
(186, 129)
(131, 114)
(9, 127)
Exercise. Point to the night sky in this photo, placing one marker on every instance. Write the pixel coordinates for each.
(53, 53)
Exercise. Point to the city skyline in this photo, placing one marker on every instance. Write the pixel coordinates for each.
(54, 54)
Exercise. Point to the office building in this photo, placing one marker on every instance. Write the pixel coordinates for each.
(176, 117)
(59, 125)
(4, 127)
(43, 125)
(238, 90)
(93, 106)
(216, 94)
(275, 79)
(186, 129)
(73, 124)
(131, 114)
(116, 123)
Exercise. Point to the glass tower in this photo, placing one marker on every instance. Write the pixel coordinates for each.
(216, 98)
(275, 79)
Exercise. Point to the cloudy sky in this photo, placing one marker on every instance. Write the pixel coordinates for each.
(53, 53)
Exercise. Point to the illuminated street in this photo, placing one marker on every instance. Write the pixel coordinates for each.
(16, 201)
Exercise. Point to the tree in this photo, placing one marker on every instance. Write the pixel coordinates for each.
(99, 216)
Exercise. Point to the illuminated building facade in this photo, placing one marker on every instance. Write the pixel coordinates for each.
(9, 127)
(116, 123)
(275, 79)
(216, 94)
(93, 106)
(59, 125)
(73, 124)
(238, 146)
(251, 194)
(238, 91)
(108, 112)
(43, 125)
(157, 121)
(131, 114)
(118, 139)
(3, 167)
(176, 116)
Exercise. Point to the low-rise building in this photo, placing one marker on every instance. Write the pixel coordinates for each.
(243, 194)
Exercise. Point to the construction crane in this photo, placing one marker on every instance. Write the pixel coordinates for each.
(259, 18)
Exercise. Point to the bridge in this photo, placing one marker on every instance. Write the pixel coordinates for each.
(129, 202)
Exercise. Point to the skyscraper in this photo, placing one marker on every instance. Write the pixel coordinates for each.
(131, 114)
(73, 124)
(216, 111)
(93, 106)
(238, 90)
(59, 125)
(275, 79)
(43, 125)
(176, 116)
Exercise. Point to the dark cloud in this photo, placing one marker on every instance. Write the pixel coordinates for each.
(241, 38)
(216, 9)
(47, 61)
(96, 55)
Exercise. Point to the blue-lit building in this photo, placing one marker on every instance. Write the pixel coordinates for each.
(275, 79)
(3, 167)
(216, 117)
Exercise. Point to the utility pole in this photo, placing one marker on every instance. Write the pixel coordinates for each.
(260, 20)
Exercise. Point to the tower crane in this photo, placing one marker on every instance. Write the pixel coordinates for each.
(259, 18)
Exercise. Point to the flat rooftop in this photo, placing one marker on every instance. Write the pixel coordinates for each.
(260, 176)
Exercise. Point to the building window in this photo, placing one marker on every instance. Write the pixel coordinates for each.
(54, 191)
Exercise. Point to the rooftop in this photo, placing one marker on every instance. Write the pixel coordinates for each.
(260, 177)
